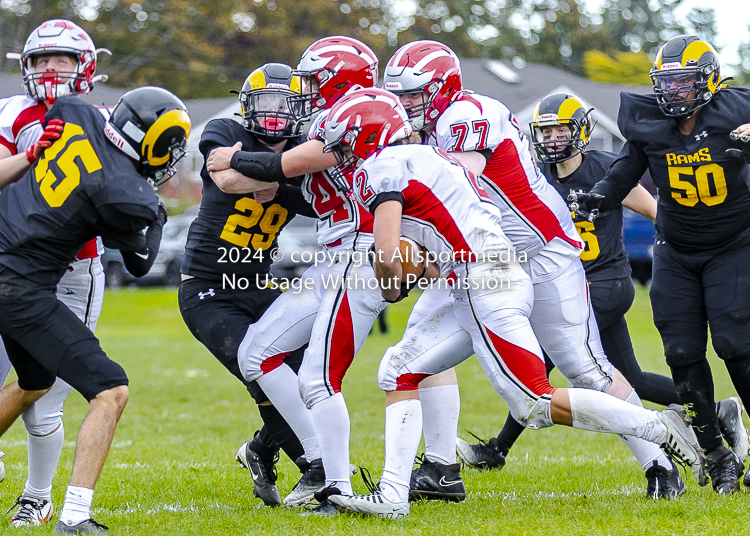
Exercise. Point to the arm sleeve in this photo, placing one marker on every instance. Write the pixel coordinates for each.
(264, 167)
(383, 197)
(138, 263)
(121, 226)
(621, 177)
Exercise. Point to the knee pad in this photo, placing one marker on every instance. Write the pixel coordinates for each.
(538, 415)
(684, 353)
(45, 415)
(312, 388)
(731, 344)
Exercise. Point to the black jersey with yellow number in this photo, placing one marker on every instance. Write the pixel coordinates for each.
(81, 187)
(233, 233)
(604, 256)
(703, 193)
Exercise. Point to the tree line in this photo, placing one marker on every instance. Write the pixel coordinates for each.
(203, 48)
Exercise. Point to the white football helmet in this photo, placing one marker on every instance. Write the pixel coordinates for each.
(59, 36)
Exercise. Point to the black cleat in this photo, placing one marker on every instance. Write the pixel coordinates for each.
(84, 527)
(436, 481)
(724, 469)
(313, 479)
(664, 483)
(324, 508)
(263, 472)
(482, 455)
(746, 480)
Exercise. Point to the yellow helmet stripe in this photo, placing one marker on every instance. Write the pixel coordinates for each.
(257, 79)
(567, 109)
(695, 50)
(657, 63)
(295, 86)
(174, 118)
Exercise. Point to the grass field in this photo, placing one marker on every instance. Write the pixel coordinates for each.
(172, 471)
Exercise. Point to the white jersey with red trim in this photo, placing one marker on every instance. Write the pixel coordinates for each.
(21, 120)
(341, 220)
(533, 212)
(445, 208)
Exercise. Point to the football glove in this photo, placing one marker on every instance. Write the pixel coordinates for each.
(585, 206)
(740, 154)
(52, 132)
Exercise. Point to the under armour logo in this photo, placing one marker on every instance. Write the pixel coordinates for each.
(703, 134)
(202, 295)
(69, 291)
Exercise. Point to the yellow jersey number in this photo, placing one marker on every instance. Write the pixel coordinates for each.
(56, 189)
(269, 220)
(586, 230)
(702, 190)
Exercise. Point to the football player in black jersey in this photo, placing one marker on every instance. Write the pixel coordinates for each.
(228, 257)
(80, 187)
(686, 134)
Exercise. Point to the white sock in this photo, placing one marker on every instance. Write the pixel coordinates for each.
(77, 507)
(403, 431)
(600, 412)
(440, 408)
(281, 388)
(644, 451)
(331, 419)
(44, 453)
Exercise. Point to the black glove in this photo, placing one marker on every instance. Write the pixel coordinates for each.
(740, 154)
(585, 206)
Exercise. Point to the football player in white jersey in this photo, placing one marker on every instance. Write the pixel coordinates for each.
(484, 135)
(424, 194)
(58, 59)
(334, 318)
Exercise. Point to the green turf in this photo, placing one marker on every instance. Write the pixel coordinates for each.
(172, 471)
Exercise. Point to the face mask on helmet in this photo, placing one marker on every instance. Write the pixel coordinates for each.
(561, 127)
(151, 126)
(426, 75)
(328, 69)
(265, 103)
(359, 125)
(686, 75)
(45, 76)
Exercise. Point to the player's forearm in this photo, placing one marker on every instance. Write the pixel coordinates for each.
(231, 181)
(622, 176)
(12, 168)
(640, 201)
(139, 263)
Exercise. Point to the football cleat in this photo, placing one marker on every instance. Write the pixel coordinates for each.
(373, 504)
(664, 483)
(724, 469)
(433, 480)
(31, 512)
(681, 444)
(2, 467)
(729, 412)
(746, 480)
(482, 455)
(324, 508)
(84, 527)
(313, 479)
(263, 472)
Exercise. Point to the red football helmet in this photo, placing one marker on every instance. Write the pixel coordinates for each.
(59, 36)
(329, 68)
(430, 73)
(360, 124)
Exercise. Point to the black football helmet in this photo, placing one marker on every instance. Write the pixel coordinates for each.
(686, 75)
(265, 108)
(561, 109)
(150, 125)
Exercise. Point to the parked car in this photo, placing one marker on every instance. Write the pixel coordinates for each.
(166, 268)
(638, 236)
